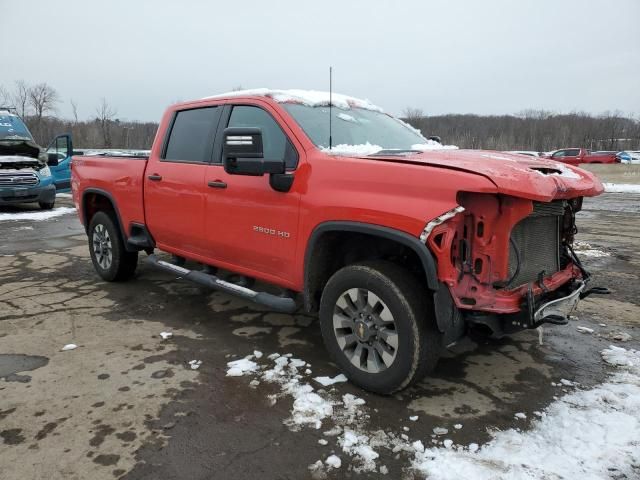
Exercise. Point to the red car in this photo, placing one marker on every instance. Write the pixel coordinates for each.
(401, 246)
(577, 156)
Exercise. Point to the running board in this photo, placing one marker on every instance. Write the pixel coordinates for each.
(274, 302)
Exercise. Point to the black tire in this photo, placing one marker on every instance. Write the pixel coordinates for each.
(408, 301)
(47, 205)
(122, 264)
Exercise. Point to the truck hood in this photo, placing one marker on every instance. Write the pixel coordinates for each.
(516, 175)
(20, 147)
(14, 162)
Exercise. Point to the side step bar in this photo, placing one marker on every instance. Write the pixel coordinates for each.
(274, 302)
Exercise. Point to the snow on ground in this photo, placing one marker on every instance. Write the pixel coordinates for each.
(37, 215)
(621, 188)
(587, 434)
(326, 381)
(584, 249)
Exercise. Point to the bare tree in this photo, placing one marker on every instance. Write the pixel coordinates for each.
(20, 97)
(5, 97)
(43, 99)
(74, 110)
(105, 115)
(413, 114)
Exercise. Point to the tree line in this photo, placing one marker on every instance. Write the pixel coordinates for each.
(530, 130)
(534, 130)
(38, 105)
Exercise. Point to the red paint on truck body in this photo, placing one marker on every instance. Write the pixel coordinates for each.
(404, 193)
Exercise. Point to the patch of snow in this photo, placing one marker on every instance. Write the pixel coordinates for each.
(432, 145)
(383, 469)
(257, 353)
(587, 434)
(347, 118)
(584, 249)
(346, 149)
(585, 329)
(413, 418)
(238, 368)
(310, 98)
(521, 416)
(418, 446)
(326, 381)
(195, 364)
(440, 431)
(69, 346)
(322, 441)
(37, 216)
(568, 383)
(166, 335)
(621, 188)
(448, 443)
(333, 461)
(621, 336)
(457, 426)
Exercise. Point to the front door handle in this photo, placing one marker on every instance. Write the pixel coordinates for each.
(155, 177)
(217, 184)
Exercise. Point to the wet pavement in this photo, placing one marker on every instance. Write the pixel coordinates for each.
(126, 404)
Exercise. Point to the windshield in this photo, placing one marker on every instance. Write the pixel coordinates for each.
(13, 128)
(356, 130)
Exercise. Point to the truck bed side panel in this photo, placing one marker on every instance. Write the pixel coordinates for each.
(120, 177)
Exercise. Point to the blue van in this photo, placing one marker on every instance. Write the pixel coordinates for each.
(27, 173)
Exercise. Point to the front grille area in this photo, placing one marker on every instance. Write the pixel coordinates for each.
(18, 179)
(535, 242)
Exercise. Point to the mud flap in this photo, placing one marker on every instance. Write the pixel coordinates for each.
(448, 317)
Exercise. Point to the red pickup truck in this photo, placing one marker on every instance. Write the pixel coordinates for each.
(400, 245)
(576, 156)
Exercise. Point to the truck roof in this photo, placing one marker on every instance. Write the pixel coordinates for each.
(311, 98)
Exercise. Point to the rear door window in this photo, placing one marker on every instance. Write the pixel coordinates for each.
(192, 135)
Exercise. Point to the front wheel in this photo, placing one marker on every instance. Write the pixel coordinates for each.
(47, 205)
(376, 324)
(108, 254)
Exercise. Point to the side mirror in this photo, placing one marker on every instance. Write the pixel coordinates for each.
(52, 159)
(242, 153)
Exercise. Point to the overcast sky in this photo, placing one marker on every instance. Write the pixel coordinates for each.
(465, 56)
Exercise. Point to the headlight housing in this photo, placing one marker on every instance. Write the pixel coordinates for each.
(45, 171)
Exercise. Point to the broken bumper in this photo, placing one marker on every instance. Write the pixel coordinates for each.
(558, 310)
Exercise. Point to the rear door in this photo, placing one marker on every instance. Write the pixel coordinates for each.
(567, 155)
(251, 228)
(174, 188)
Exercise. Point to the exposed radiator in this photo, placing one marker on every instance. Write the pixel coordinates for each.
(537, 241)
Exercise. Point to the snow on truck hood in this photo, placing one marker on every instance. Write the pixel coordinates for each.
(517, 175)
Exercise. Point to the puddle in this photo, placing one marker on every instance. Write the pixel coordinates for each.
(12, 364)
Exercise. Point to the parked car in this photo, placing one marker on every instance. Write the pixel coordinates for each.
(401, 248)
(629, 156)
(27, 173)
(577, 156)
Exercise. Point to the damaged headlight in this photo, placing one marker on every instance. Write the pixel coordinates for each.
(45, 171)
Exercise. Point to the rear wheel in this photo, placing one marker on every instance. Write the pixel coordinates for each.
(108, 254)
(376, 326)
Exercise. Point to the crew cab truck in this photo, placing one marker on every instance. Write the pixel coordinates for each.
(577, 156)
(27, 173)
(399, 245)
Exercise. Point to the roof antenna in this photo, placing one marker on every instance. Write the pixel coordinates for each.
(330, 104)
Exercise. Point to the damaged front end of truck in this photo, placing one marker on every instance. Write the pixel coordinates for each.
(508, 263)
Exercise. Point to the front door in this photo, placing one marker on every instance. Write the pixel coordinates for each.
(174, 191)
(62, 147)
(251, 228)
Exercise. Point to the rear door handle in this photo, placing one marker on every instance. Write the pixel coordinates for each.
(155, 177)
(217, 184)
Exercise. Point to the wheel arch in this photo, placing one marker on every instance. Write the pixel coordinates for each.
(96, 200)
(316, 274)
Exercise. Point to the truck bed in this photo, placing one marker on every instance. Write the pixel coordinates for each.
(124, 183)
